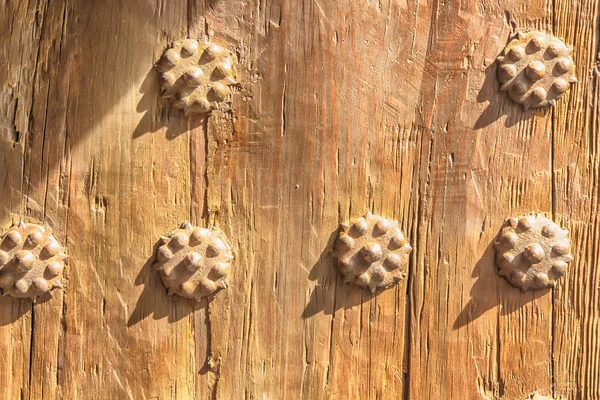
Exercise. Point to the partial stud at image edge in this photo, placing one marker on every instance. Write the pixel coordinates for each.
(31, 261)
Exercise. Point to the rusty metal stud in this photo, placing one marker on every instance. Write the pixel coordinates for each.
(194, 262)
(372, 252)
(532, 252)
(196, 76)
(536, 69)
(31, 261)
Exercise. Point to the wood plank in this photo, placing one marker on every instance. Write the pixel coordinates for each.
(288, 142)
(481, 160)
(22, 61)
(45, 197)
(343, 107)
(525, 321)
(128, 184)
(576, 174)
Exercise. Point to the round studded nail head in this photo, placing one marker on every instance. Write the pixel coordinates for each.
(372, 252)
(196, 75)
(532, 252)
(31, 261)
(194, 262)
(536, 69)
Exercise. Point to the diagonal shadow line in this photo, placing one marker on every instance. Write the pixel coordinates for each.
(159, 114)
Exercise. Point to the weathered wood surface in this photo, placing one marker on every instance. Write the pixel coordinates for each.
(344, 106)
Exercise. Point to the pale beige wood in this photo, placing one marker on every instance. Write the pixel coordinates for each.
(343, 107)
(21, 58)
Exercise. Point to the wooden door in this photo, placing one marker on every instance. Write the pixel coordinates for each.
(342, 107)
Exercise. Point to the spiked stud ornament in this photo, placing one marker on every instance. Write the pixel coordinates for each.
(196, 76)
(536, 69)
(31, 261)
(194, 262)
(532, 252)
(372, 252)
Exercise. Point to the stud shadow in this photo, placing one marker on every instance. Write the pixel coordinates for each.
(331, 293)
(492, 290)
(500, 104)
(154, 299)
(12, 308)
(158, 112)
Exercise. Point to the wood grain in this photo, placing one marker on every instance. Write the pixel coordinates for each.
(343, 107)
(576, 171)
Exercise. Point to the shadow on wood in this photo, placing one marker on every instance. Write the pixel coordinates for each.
(499, 104)
(12, 309)
(492, 290)
(331, 293)
(154, 299)
(158, 112)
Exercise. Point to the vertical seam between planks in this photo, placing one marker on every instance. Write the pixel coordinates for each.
(24, 211)
(553, 204)
(62, 317)
(192, 174)
(31, 344)
(407, 338)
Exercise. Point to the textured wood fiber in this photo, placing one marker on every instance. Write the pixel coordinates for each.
(345, 106)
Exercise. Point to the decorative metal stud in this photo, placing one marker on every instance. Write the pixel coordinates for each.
(194, 262)
(532, 252)
(196, 75)
(372, 252)
(31, 261)
(536, 69)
